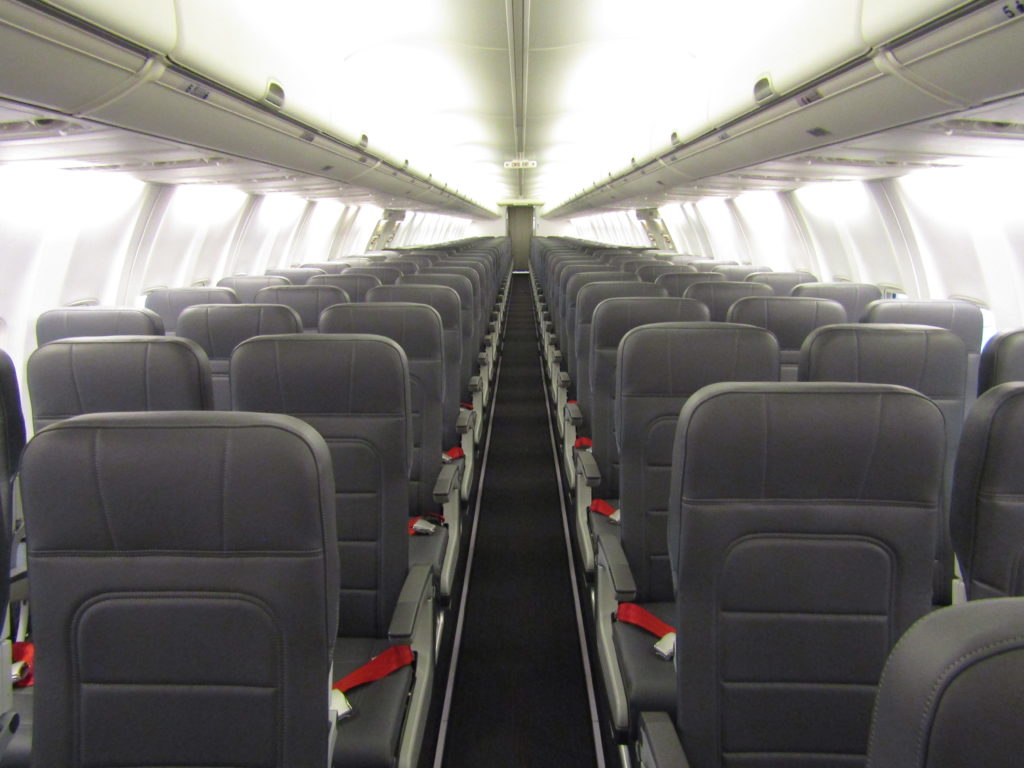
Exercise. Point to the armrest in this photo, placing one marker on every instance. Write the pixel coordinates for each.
(475, 384)
(613, 557)
(482, 360)
(448, 481)
(8, 727)
(464, 421)
(403, 620)
(563, 379)
(587, 469)
(658, 744)
(573, 414)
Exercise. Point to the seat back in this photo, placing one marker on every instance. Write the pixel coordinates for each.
(587, 299)
(330, 267)
(405, 266)
(66, 322)
(570, 303)
(418, 330)
(245, 286)
(987, 509)
(182, 596)
(960, 317)
(928, 359)
(954, 681)
(354, 390)
(295, 275)
(446, 301)
(355, 285)
(467, 318)
(652, 271)
(219, 328)
(783, 283)
(802, 554)
(733, 272)
(718, 297)
(659, 367)
(791, 319)
(386, 274)
(69, 377)
(854, 297)
(479, 325)
(613, 318)
(308, 301)
(169, 302)
(1002, 360)
(676, 283)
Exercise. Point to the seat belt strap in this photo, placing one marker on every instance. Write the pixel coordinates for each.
(602, 507)
(583, 442)
(377, 668)
(467, 406)
(453, 454)
(631, 613)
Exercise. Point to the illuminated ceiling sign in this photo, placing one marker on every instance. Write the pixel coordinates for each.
(520, 164)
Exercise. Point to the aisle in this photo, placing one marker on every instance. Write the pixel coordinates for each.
(520, 696)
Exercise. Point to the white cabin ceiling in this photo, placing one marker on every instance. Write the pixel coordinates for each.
(452, 89)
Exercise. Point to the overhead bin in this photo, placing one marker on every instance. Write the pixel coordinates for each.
(151, 24)
(972, 60)
(52, 62)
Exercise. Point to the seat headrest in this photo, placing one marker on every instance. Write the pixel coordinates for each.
(65, 322)
(811, 441)
(416, 327)
(176, 482)
(962, 318)
(613, 317)
(219, 328)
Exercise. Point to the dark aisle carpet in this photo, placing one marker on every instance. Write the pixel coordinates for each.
(520, 696)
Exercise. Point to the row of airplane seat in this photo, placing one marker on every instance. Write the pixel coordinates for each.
(366, 407)
(642, 356)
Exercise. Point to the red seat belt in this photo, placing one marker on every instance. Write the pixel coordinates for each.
(631, 613)
(583, 442)
(602, 507)
(377, 668)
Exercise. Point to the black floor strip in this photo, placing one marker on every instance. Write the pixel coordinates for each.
(520, 693)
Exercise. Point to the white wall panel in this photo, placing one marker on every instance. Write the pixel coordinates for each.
(772, 236)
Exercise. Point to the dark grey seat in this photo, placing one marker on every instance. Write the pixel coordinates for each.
(169, 302)
(783, 283)
(219, 328)
(676, 283)
(801, 556)
(651, 272)
(960, 317)
(66, 322)
(69, 377)
(386, 274)
(307, 300)
(353, 284)
(659, 368)
(295, 275)
(854, 297)
(1002, 360)
(733, 272)
(330, 267)
(569, 304)
(354, 389)
(246, 286)
(171, 596)
(791, 319)
(405, 266)
(712, 265)
(417, 328)
(987, 510)
(928, 359)
(718, 297)
(950, 691)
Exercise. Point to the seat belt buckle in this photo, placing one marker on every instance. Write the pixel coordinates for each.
(666, 646)
(424, 527)
(340, 705)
